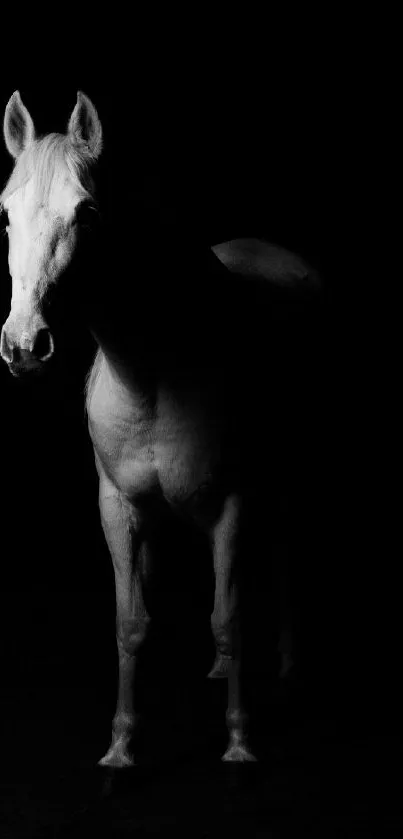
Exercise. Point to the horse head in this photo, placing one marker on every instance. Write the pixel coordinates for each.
(46, 200)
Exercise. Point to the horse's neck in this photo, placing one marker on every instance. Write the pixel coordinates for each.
(147, 304)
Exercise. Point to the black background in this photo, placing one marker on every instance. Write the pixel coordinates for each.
(252, 150)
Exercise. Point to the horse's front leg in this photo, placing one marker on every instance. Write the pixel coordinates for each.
(121, 524)
(282, 607)
(225, 626)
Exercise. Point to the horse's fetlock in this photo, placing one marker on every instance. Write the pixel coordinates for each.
(123, 723)
(236, 718)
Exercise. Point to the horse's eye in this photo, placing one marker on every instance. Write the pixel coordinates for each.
(85, 215)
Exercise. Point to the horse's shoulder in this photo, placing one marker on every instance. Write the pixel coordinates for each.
(92, 378)
(263, 260)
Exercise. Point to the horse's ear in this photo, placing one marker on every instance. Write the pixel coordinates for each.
(85, 129)
(19, 131)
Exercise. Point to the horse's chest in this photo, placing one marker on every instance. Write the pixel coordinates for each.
(173, 453)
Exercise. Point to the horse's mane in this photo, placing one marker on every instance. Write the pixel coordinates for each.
(44, 160)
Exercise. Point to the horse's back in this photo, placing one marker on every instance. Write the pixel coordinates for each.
(281, 268)
(273, 302)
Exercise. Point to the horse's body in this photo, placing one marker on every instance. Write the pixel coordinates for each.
(188, 409)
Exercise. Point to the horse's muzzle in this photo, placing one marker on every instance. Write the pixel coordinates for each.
(29, 354)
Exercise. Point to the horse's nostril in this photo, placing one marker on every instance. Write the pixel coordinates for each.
(43, 345)
(5, 349)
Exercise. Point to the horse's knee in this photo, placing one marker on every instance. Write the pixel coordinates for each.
(131, 634)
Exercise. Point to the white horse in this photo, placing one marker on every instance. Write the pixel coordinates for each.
(179, 400)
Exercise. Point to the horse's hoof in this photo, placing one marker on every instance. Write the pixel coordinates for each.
(221, 667)
(117, 758)
(238, 754)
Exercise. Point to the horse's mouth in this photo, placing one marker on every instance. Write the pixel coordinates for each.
(22, 370)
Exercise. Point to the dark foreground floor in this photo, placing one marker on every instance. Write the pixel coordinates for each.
(323, 771)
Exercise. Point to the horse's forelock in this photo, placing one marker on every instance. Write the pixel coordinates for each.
(43, 159)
